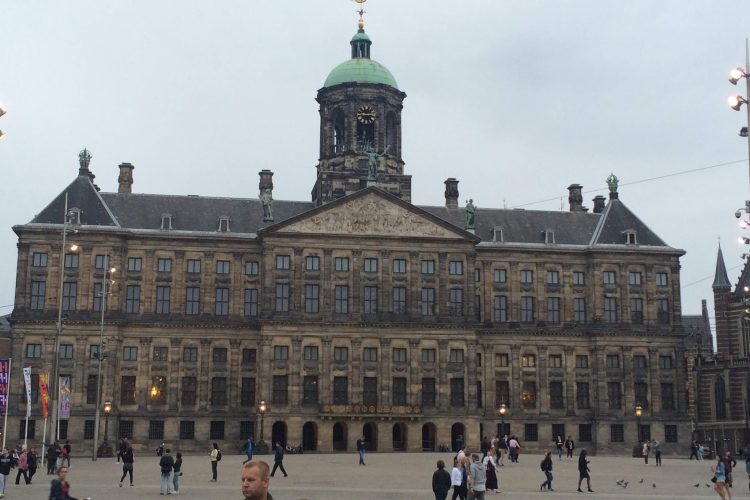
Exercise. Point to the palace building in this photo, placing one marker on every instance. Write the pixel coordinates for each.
(356, 313)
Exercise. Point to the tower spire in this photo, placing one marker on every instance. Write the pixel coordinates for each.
(721, 279)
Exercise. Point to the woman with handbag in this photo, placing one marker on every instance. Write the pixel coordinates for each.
(720, 477)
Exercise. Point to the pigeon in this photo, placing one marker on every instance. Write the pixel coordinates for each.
(619, 483)
(641, 481)
(696, 485)
(625, 484)
(708, 486)
(653, 485)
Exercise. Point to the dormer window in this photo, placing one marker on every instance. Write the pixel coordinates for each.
(630, 237)
(74, 216)
(497, 234)
(549, 236)
(166, 222)
(224, 224)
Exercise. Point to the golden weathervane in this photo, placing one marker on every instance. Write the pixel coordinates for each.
(361, 12)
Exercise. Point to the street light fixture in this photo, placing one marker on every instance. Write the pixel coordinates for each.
(638, 415)
(262, 409)
(104, 450)
(502, 410)
(736, 101)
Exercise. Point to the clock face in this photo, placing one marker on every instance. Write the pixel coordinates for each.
(366, 115)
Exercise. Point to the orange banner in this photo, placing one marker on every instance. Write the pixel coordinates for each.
(44, 390)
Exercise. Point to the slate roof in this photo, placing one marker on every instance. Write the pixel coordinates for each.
(721, 279)
(134, 211)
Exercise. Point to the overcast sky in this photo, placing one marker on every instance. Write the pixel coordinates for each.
(517, 99)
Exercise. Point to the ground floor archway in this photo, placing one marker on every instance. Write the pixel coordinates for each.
(309, 436)
(399, 437)
(278, 433)
(458, 433)
(339, 436)
(429, 437)
(370, 433)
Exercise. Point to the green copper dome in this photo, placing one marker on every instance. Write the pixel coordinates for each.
(360, 70)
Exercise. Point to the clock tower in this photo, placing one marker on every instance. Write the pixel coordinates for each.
(360, 128)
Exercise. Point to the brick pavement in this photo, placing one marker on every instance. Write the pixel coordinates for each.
(386, 476)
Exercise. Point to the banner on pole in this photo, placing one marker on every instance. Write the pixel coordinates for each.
(44, 391)
(4, 377)
(27, 383)
(64, 410)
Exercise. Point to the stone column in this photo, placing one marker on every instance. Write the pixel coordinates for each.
(204, 375)
(515, 378)
(441, 288)
(296, 280)
(355, 381)
(234, 379)
(79, 375)
(653, 382)
(443, 390)
(175, 359)
(386, 374)
(148, 289)
(143, 382)
(570, 380)
(325, 373)
(355, 293)
(471, 377)
(295, 396)
(470, 288)
(414, 289)
(236, 288)
(208, 287)
(415, 386)
(542, 374)
(265, 379)
(326, 287)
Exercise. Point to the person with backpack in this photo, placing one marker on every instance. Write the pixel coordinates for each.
(546, 467)
(215, 459)
(166, 462)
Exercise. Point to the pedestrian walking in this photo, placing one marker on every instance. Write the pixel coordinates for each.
(51, 458)
(23, 467)
(215, 459)
(177, 474)
(546, 466)
(33, 460)
(166, 462)
(361, 450)
(729, 464)
(255, 481)
(693, 450)
(491, 466)
(127, 464)
(746, 454)
(656, 445)
(66, 452)
(569, 447)
(457, 479)
(484, 446)
(248, 448)
(160, 450)
(5, 463)
(645, 450)
(503, 444)
(441, 481)
(278, 460)
(60, 488)
(513, 449)
(477, 477)
(720, 477)
(122, 445)
(559, 445)
(584, 472)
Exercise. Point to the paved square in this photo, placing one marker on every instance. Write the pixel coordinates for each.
(386, 476)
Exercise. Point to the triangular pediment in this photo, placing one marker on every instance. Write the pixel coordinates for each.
(371, 212)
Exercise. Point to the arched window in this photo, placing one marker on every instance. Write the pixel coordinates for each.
(338, 140)
(391, 138)
(721, 398)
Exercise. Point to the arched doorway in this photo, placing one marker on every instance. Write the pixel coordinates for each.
(309, 436)
(339, 436)
(429, 437)
(399, 437)
(370, 433)
(278, 433)
(458, 436)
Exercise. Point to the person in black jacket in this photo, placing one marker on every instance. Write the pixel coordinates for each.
(127, 464)
(546, 466)
(165, 464)
(51, 456)
(278, 460)
(441, 481)
(60, 489)
(5, 464)
(583, 471)
(33, 460)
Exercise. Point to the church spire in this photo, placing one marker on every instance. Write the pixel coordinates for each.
(721, 280)
(361, 42)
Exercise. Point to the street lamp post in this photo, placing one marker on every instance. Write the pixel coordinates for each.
(638, 415)
(502, 410)
(105, 444)
(262, 446)
(104, 450)
(736, 101)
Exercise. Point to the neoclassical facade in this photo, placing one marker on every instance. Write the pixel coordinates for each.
(354, 314)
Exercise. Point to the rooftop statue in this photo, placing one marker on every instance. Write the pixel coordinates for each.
(471, 212)
(612, 182)
(372, 160)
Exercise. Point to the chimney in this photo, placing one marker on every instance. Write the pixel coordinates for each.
(125, 179)
(599, 204)
(451, 193)
(575, 198)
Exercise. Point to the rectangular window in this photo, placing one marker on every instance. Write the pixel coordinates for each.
(156, 429)
(280, 353)
(528, 361)
(31, 434)
(644, 433)
(310, 353)
(193, 266)
(312, 263)
(158, 390)
(428, 355)
(38, 292)
(127, 390)
(133, 299)
(247, 392)
(456, 301)
(219, 355)
(613, 361)
(218, 391)
(579, 310)
(500, 309)
(252, 268)
(251, 302)
(666, 362)
(370, 354)
(94, 351)
(582, 395)
(222, 267)
(280, 395)
(667, 397)
(126, 429)
(283, 262)
(500, 276)
(530, 432)
(399, 300)
(553, 309)
(340, 390)
(661, 279)
(70, 293)
(636, 311)
(310, 390)
(527, 309)
(101, 262)
(528, 395)
(134, 264)
(635, 278)
(456, 267)
(456, 356)
(616, 433)
(341, 354)
(640, 362)
(34, 389)
(641, 394)
(371, 265)
(477, 275)
(427, 266)
(582, 361)
(399, 391)
(427, 304)
(88, 429)
(662, 311)
(39, 259)
(190, 354)
(502, 359)
(221, 305)
(341, 263)
(670, 433)
(556, 400)
(187, 429)
(614, 394)
(399, 355)
(610, 310)
(527, 276)
(579, 278)
(282, 297)
(188, 391)
(341, 299)
(370, 390)
(164, 265)
(555, 361)
(502, 392)
(584, 433)
(249, 356)
(399, 266)
(429, 393)
(609, 277)
(370, 305)
(553, 277)
(192, 300)
(71, 261)
(457, 392)
(161, 353)
(130, 353)
(216, 430)
(163, 295)
(66, 351)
